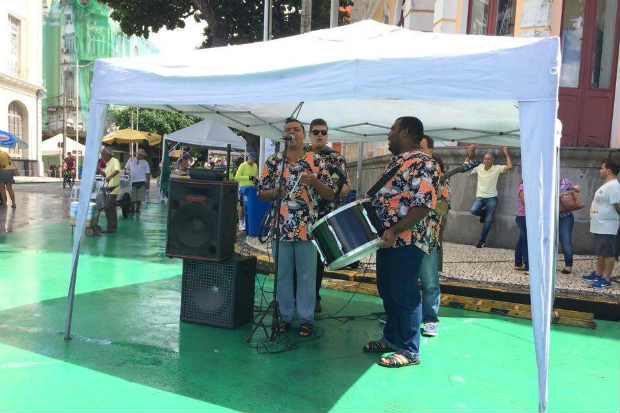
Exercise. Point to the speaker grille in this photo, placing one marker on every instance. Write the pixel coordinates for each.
(202, 219)
(218, 293)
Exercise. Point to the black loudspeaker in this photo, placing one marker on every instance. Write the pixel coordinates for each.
(202, 219)
(219, 293)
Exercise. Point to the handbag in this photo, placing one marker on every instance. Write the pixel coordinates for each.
(570, 201)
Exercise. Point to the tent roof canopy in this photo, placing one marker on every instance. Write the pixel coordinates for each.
(212, 134)
(51, 146)
(462, 87)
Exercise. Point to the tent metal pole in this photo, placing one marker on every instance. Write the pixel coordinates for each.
(267, 21)
(70, 298)
(261, 156)
(360, 151)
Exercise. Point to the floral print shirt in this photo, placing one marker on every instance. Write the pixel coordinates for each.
(300, 207)
(337, 167)
(416, 184)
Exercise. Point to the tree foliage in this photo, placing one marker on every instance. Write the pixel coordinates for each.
(228, 21)
(152, 120)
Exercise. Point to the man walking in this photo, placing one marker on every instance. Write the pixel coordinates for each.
(604, 222)
(486, 190)
(140, 174)
(113, 181)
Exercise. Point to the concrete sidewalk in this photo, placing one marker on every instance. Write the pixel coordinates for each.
(36, 179)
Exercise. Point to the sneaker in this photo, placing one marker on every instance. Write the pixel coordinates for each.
(592, 276)
(481, 244)
(383, 319)
(430, 329)
(241, 226)
(601, 283)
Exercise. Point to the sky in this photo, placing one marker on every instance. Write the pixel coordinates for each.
(179, 40)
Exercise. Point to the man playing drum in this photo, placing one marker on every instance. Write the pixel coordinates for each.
(306, 178)
(405, 206)
(336, 165)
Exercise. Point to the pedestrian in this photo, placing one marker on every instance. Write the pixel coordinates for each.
(566, 223)
(486, 189)
(246, 176)
(140, 177)
(6, 179)
(521, 257)
(113, 180)
(604, 223)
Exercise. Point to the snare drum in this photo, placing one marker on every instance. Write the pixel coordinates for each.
(347, 234)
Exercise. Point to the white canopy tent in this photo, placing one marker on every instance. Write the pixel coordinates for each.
(212, 134)
(359, 78)
(51, 146)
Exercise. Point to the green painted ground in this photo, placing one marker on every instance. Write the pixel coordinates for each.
(130, 353)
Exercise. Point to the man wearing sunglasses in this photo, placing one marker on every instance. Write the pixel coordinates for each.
(337, 170)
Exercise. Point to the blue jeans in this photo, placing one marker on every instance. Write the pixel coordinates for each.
(301, 257)
(397, 282)
(521, 247)
(484, 207)
(429, 274)
(566, 238)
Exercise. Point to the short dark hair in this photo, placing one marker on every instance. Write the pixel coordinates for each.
(291, 120)
(413, 126)
(429, 141)
(319, 122)
(612, 166)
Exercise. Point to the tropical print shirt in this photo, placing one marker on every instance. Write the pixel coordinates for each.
(416, 184)
(337, 167)
(299, 210)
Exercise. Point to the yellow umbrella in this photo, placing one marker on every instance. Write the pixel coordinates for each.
(132, 136)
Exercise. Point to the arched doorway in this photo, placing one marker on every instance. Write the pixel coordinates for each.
(18, 125)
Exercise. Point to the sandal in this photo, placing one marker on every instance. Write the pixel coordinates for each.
(376, 346)
(305, 330)
(284, 327)
(397, 360)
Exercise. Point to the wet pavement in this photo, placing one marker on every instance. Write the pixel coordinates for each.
(37, 205)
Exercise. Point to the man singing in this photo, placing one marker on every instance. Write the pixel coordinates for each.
(405, 206)
(306, 181)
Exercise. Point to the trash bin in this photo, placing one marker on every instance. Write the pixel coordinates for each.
(254, 210)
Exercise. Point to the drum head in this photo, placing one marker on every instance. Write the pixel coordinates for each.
(356, 255)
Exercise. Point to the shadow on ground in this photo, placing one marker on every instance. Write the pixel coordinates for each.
(134, 333)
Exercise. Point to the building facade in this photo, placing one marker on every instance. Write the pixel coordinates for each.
(75, 34)
(21, 82)
(589, 30)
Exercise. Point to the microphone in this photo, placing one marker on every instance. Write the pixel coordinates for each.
(288, 138)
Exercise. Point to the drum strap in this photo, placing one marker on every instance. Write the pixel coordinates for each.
(385, 178)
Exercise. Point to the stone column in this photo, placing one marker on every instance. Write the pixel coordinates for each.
(445, 18)
(419, 14)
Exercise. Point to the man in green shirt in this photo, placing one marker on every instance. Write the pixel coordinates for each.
(247, 175)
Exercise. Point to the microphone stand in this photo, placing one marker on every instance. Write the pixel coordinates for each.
(273, 305)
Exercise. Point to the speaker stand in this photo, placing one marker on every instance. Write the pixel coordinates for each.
(274, 337)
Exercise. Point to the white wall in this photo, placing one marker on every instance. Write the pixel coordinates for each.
(24, 86)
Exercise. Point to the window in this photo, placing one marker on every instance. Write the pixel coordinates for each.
(18, 124)
(69, 86)
(15, 40)
(492, 17)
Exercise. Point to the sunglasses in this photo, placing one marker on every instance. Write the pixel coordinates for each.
(316, 132)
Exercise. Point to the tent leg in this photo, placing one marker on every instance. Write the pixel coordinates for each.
(70, 297)
(360, 151)
(261, 156)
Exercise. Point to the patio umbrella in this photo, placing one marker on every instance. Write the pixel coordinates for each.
(132, 136)
(8, 139)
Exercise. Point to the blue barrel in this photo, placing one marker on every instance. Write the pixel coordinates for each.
(254, 210)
